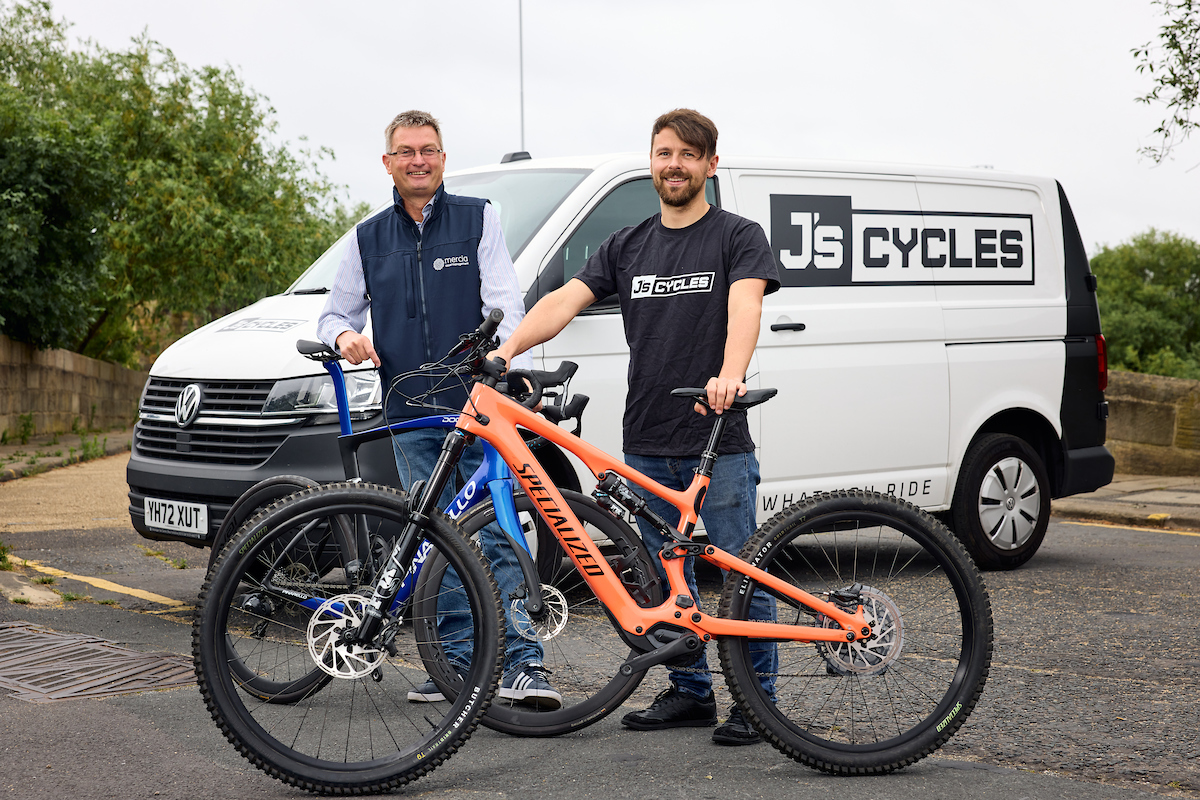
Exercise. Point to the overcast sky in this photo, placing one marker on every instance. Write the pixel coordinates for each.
(1044, 87)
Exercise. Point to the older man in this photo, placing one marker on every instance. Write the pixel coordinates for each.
(427, 269)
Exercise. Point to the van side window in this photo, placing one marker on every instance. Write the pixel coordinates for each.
(628, 204)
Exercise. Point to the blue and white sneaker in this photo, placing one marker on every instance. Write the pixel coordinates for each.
(530, 686)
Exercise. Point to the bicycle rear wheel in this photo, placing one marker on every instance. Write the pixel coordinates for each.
(295, 700)
(875, 705)
(583, 649)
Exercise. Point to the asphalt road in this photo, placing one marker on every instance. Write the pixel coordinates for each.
(1092, 694)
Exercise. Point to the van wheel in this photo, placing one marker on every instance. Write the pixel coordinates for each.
(1002, 502)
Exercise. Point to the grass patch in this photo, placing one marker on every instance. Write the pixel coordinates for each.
(21, 601)
(92, 449)
(71, 597)
(46, 579)
(108, 602)
(6, 564)
(177, 563)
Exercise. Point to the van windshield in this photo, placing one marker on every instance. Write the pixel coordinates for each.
(525, 199)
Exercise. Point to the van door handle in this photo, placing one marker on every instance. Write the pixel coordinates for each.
(787, 326)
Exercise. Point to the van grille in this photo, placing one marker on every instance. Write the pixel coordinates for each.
(209, 443)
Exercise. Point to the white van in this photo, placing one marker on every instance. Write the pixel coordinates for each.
(936, 337)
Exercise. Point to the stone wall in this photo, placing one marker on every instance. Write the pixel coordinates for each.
(1154, 424)
(63, 390)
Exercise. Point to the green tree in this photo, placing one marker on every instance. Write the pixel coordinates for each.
(212, 216)
(54, 190)
(1149, 292)
(181, 206)
(1174, 65)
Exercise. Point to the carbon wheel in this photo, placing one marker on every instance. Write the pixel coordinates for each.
(876, 704)
(585, 655)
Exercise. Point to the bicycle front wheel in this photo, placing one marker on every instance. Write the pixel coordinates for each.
(878, 704)
(581, 647)
(284, 687)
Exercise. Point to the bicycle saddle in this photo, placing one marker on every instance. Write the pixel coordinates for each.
(752, 397)
(317, 351)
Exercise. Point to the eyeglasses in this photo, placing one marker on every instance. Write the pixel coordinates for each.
(407, 153)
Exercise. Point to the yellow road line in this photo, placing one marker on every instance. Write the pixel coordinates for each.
(108, 586)
(1128, 527)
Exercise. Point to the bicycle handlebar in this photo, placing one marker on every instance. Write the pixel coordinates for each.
(535, 387)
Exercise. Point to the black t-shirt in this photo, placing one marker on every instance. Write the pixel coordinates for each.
(673, 285)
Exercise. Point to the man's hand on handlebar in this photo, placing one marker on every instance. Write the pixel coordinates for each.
(356, 348)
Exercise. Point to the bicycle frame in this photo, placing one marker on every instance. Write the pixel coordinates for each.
(494, 418)
(492, 473)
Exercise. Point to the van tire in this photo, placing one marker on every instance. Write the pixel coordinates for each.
(1002, 502)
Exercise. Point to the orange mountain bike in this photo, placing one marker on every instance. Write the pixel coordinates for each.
(882, 625)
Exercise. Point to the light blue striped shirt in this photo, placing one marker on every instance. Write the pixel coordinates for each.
(347, 307)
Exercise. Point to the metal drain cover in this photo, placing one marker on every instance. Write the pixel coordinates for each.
(42, 666)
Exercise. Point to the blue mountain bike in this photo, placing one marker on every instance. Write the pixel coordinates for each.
(269, 638)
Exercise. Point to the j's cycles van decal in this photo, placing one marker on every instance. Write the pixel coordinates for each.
(823, 241)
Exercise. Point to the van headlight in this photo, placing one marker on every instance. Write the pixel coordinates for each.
(314, 395)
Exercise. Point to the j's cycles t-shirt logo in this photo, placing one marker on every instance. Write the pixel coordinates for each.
(823, 241)
(670, 285)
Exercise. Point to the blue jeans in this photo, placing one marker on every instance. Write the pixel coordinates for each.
(728, 516)
(417, 452)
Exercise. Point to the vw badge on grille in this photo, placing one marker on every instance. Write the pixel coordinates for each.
(187, 407)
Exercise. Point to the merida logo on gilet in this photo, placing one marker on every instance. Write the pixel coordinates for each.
(452, 261)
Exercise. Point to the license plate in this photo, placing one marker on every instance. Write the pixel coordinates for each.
(172, 515)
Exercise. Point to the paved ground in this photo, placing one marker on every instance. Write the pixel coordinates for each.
(1108, 699)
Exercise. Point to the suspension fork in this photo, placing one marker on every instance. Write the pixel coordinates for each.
(405, 548)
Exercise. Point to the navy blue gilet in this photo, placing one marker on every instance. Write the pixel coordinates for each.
(424, 291)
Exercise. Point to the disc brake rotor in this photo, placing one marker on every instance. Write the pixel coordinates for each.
(871, 656)
(550, 624)
(325, 629)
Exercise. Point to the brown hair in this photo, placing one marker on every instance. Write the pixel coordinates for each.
(691, 126)
(410, 119)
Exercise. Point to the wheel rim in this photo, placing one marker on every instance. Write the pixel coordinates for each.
(344, 721)
(868, 711)
(1009, 503)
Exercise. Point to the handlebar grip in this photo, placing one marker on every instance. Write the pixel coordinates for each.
(535, 394)
(490, 325)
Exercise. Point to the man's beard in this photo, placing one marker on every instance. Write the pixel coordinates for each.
(682, 196)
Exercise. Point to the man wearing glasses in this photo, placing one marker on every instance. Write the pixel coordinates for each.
(428, 268)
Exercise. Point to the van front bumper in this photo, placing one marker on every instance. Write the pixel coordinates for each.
(311, 452)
